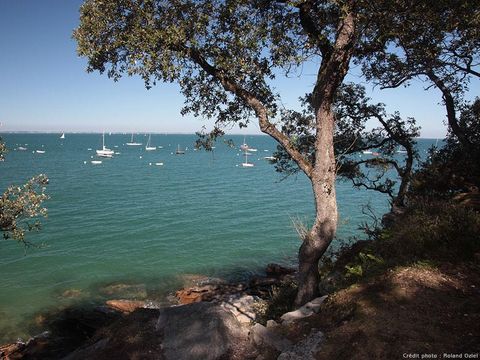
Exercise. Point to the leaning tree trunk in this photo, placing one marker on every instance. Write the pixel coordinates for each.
(323, 230)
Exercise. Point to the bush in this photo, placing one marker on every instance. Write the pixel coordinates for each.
(433, 230)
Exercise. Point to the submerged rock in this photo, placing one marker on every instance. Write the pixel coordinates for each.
(125, 291)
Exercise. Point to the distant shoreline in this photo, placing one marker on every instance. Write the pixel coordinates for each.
(146, 132)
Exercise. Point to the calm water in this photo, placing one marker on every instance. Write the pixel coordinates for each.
(126, 221)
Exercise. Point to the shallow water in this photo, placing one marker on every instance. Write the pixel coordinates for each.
(128, 221)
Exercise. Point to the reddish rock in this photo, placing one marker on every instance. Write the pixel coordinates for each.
(196, 294)
(125, 306)
(11, 351)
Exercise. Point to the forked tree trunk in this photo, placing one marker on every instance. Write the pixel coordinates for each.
(332, 71)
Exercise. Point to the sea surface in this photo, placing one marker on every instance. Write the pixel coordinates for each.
(130, 221)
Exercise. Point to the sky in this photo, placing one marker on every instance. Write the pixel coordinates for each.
(44, 85)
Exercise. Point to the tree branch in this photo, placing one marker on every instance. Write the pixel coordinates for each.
(260, 111)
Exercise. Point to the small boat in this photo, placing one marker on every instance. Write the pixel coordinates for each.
(148, 147)
(96, 162)
(271, 158)
(40, 151)
(367, 152)
(62, 136)
(133, 143)
(244, 146)
(21, 148)
(179, 151)
(105, 152)
(246, 163)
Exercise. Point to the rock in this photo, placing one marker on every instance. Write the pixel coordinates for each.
(241, 306)
(305, 311)
(263, 336)
(278, 270)
(191, 280)
(257, 281)
(125, 306)
(196, 331)
(295, 315)
(272, 324)
(199, 331)
(72, 293)
(196, 294)
(305, 349)
(11, 351)
(315, 304)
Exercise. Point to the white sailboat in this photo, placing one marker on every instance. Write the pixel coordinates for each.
(246, 163)
(133, 143)
(105, 152)
(179, 151)
(244, 146)
(148, 147)
(62, 136)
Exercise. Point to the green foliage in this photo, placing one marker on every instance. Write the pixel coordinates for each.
(353, 111)
(437, 230)
(455, 168)
(21, 208)
(364, 263)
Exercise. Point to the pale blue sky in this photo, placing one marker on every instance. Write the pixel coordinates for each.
(44, 86)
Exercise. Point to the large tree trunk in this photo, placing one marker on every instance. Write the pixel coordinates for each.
(332, 71)
(323, 230)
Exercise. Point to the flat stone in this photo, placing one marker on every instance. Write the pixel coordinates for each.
(305, 311)
(196, 294)
(199, 331)
(241, 306)
(266, 337)
(125, 306)
(315, 304)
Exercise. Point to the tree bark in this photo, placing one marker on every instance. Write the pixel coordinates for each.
(323, 230)
(450, 106)
(332, 71)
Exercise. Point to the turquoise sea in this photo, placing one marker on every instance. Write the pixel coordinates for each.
(128, 222)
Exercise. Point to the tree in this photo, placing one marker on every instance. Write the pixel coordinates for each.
(435, 41)
(224, 55)
(351, 138)
(454, 168)
(21, 207)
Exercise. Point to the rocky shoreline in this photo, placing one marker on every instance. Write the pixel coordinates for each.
(212, 319)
